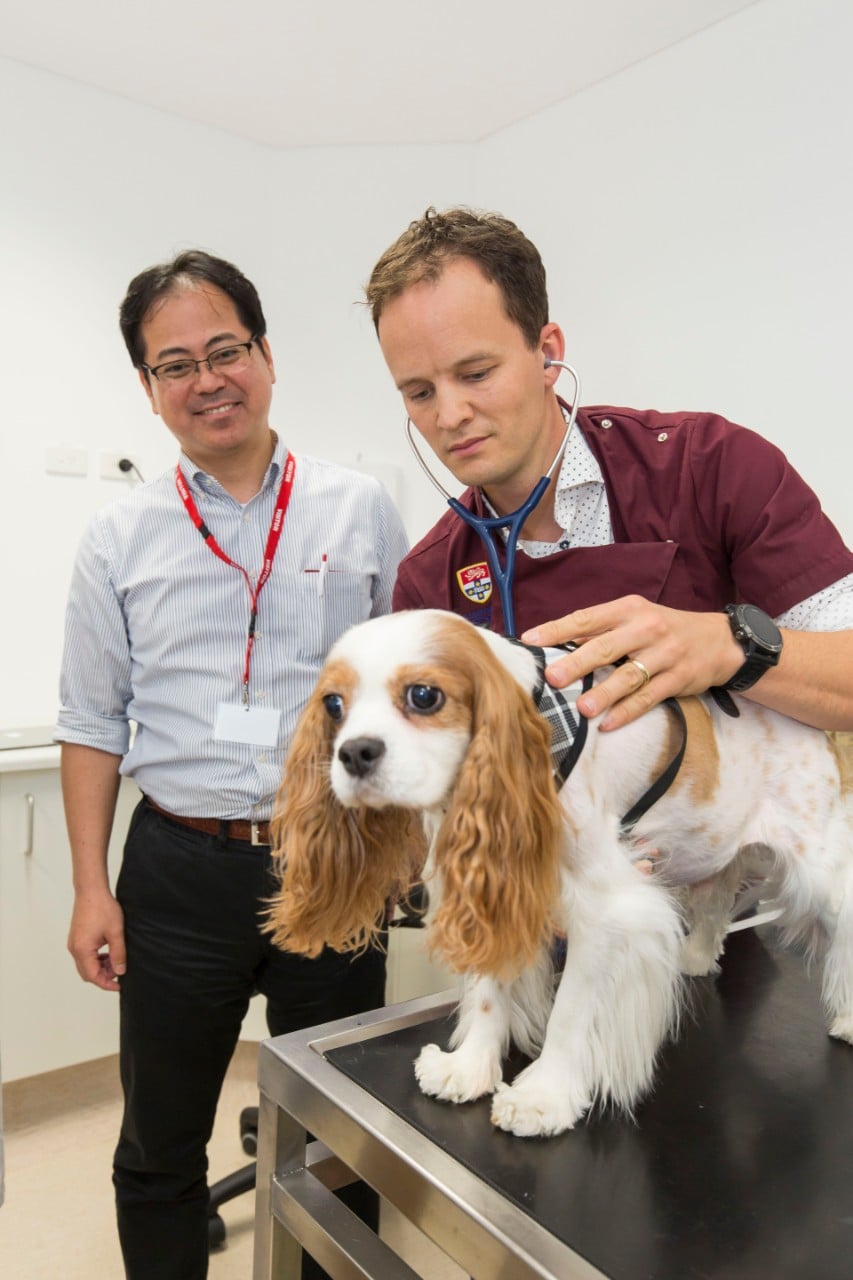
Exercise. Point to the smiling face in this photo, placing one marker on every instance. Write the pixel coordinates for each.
(472, 385)
(218, 416)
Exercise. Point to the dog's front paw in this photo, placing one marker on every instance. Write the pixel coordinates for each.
(537, 1105)
(699, 959)
(457, 1076)
(842, 1029)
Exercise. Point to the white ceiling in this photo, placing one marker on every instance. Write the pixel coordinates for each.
(335, 72)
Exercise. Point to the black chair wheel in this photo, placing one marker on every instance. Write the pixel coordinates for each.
(249, 1130)
(215, 1231)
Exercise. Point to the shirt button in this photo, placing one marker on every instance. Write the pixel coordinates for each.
(663, 436)
(262, 758)
(606, 424)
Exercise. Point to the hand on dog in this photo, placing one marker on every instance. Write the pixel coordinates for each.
(683, 653)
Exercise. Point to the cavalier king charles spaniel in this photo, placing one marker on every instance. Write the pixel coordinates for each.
(423, 728)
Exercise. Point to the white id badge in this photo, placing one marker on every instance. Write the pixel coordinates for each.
(255, 726)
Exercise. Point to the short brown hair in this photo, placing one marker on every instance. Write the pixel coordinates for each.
(502, 252)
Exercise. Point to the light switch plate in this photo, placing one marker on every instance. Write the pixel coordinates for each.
(63, 460)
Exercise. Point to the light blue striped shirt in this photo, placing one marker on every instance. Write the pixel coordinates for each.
(156, 624)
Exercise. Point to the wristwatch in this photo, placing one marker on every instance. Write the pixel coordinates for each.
(761, 641)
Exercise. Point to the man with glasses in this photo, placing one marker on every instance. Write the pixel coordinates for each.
(201, 608)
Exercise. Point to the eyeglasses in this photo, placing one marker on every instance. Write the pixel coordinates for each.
(234, 358)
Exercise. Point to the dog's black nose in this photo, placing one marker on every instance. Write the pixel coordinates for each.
(360, 755)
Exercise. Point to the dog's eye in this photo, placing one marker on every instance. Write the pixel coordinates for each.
(334, 704)
(424, 699)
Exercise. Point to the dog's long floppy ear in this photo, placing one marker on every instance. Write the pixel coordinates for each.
(498, 849)
(338, 866)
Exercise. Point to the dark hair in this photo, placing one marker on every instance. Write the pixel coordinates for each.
(502, 252)
(192, 267)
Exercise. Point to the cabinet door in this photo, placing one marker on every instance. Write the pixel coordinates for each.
(49, 1018)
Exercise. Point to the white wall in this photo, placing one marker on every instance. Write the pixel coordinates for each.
(96, 188)
(692, 212)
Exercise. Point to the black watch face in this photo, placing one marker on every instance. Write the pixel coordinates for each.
(764, 629)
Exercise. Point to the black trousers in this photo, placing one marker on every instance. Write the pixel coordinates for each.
(195, 956)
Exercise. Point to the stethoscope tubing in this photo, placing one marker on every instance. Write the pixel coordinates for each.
(486, 526)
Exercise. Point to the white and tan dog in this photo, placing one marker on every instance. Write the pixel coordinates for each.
(422, 715)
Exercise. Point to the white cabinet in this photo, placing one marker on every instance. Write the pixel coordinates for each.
(412, 970)
(49, 1017)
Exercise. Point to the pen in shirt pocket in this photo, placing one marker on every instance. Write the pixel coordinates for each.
(321, 573)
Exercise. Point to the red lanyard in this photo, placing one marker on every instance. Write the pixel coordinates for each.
(284, 492)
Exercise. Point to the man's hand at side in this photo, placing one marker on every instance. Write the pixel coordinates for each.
(96, 940)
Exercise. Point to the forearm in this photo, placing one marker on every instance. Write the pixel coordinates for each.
(90, 782)
(813, 682)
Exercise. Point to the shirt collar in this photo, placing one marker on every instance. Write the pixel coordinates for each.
(208, 484)
(579, 465)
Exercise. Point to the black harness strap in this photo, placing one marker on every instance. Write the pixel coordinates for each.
(662, 784)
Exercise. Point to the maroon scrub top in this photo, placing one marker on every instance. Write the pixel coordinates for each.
(704, 513)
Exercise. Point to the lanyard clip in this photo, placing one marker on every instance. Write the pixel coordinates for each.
(246, 695)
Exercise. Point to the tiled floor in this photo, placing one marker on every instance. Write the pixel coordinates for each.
(57, 1221)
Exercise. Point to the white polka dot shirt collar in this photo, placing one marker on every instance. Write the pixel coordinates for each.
(581, 508)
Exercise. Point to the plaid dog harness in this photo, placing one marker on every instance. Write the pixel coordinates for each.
(568, 727)
(569, 731)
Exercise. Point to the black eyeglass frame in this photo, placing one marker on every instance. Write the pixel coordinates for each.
(228, 346)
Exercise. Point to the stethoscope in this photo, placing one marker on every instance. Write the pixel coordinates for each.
(486, 526)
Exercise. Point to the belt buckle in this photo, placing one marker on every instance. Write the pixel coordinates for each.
(256, 840)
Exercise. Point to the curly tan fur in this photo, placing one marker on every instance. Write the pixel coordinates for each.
(338, 866)
(498, 848)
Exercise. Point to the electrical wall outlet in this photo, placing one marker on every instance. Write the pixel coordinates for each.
(110, 470)
(63, 460)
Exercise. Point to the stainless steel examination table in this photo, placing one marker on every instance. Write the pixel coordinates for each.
(739, 1167)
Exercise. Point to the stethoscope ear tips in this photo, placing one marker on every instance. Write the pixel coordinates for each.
(548, 363)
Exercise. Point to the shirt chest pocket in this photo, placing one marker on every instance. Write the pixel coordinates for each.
(327, 603)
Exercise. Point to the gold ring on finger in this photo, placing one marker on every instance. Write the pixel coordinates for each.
(643, 670)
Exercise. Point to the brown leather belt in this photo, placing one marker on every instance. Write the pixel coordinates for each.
(257, 833)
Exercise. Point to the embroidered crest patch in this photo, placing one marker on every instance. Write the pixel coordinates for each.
(475, 582)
